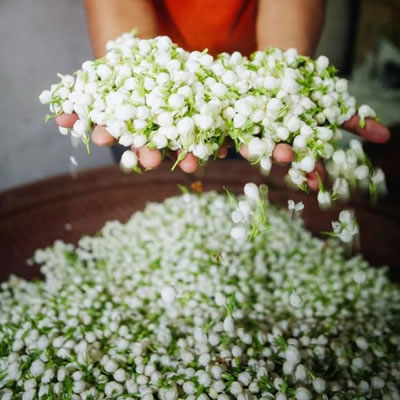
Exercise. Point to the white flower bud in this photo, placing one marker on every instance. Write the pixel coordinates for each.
(324, 133)
(229, 78)
(251, 191)
(324, 199)
(128, 159)
(219, 89)
(239, 233)
(103, 71)
(139, 141)
(200, 151)
(160, 141)
(299, 142)
(282, 133)
(165, 119)
(307, 164)
(306, 130)
(322, 63)
(295, 300)
(126, 140)
(79, 128)
(341, 85)
(339, 157)
(265, 164)
(366, 111)
(185, 126)
(274, 105)
(271, 83)
(124, 112)
(168, 294)
(319, 385)
(45, 97)
(361, 172)
(204, 122)
(176, 101)
(239, 121)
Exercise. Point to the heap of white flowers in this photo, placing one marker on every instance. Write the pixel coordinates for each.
(170, 306)
(153, 93)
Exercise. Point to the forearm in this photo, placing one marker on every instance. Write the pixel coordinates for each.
(107, 19)
(290, 23)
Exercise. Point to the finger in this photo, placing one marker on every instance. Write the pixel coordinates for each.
(149, 158)
(66, 120)
(312, 177)
(244, 151)
(283, 153)
(373, 130)
(101, 137)
(222, 152)
(189, 164)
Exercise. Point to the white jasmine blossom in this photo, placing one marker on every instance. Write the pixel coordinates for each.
(296, 207)
(347, 227)
(150, 92)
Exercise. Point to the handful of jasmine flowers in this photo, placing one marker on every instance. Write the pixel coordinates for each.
(188, 311)
(153, 93)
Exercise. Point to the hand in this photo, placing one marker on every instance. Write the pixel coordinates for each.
(282, 154)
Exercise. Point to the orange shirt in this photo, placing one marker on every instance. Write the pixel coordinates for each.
(218, 25)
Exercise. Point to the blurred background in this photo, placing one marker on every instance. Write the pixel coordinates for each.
(43, 37)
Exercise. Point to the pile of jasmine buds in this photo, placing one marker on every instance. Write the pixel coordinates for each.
(170, 306)
(150, 92)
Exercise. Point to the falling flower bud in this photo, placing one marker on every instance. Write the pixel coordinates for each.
(296, 176)
(265, 164)
(378, 176)
(324, 199)
(292, 206)
(251, 191)
(361, 172)
(73, 161)
(79, 128)
(63, 131)
(129, 159)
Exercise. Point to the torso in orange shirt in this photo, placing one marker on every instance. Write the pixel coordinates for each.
(218, 25)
